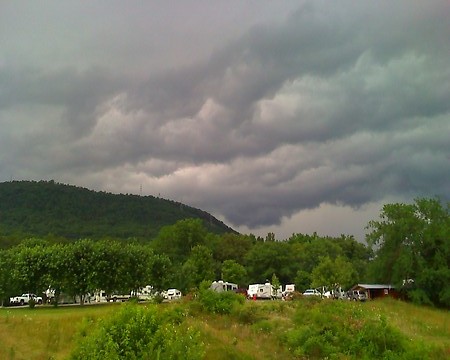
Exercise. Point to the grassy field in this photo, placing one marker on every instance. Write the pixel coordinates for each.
(253, 333)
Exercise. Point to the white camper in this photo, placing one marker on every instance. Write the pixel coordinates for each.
(144, 294)
(261, 291)
(221, 286)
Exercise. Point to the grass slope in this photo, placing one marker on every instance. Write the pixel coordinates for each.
(254, 332)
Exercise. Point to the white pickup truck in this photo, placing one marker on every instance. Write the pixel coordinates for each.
(25, 299)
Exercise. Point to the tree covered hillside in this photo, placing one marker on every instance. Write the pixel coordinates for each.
(41, 208)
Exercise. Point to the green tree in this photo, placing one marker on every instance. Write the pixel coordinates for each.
(6, 281)
(302, 280)
(411, 243)
(275, 283)
(56, 270)
(176, 241)
(160, 272)
(267, 258)
(234, 272)
(138, 261)
(80, 275)
(331, 273)
(198, 267)
(30, 266)
(232, 247)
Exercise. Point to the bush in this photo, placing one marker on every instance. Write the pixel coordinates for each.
(138, 332)
(332, 329)
(218, 303)
(248, 313)
(31, 303)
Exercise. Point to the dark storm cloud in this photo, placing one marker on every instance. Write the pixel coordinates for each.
(342, 103)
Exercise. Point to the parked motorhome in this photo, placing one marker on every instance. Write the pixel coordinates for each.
(145, 294)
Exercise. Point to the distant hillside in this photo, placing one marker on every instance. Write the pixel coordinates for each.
(40, 208)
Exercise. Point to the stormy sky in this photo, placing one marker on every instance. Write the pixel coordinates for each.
(283, 116)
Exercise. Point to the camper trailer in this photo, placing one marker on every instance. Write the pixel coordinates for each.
(263, 292)
(221, 286)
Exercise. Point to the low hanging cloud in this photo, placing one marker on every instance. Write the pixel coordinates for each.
(342, 104)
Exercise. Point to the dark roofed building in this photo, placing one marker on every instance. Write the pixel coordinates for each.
(375, 291)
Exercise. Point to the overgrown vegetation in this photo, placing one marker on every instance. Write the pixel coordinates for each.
(138, 332)
(330, 329)
(307, 328)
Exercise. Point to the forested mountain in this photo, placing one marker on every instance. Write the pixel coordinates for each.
(29, 208)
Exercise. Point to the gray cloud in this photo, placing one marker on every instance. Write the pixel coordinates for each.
(258, 120)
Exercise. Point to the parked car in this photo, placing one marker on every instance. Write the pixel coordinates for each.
(312, 292)
(358, 295)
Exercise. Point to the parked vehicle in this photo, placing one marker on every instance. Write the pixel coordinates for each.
(358, 295)
(172, 294)
(288, 292)
(263, 292)
(118, 297)
(336, 293)
(221, 286)
(312, 292)
(289, 288)
(145, 294)
(24, 299)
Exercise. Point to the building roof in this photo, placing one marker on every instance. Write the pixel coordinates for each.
(373, 286)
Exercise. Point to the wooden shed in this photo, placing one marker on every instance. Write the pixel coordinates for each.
(375, 291)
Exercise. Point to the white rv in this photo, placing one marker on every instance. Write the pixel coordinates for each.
(221, 286)
(145, 294)
(263, 291)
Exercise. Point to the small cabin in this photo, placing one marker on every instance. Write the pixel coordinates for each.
(375, 291)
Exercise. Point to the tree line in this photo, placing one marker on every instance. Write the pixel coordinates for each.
(408, 247)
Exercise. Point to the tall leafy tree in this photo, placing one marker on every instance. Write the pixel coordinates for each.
(160, 272)
(267, 258)
(412, 246)
(31, 264)
(234, 272)
(198, 267)
(332, 273)
(80, 274)
(232, 247)
(138, 263)
(6, 280)
(176, 241)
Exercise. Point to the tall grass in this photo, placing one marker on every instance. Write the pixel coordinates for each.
(252, 330)
(44, 332)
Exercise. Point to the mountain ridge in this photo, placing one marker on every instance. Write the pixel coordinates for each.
(40, 208)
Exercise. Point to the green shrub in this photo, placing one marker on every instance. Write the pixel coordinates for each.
(248, 313)
(218, 303)
(31, 303)
(138, 332)
(332, 329)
